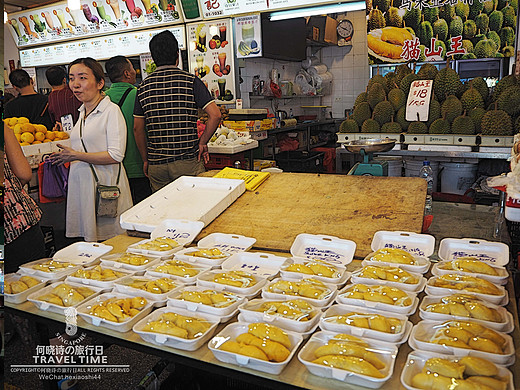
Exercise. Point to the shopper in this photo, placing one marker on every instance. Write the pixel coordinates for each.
(24, 240)
(122, 92)
(28, 103)
(167, 103)
(63, 105)
(98, 142)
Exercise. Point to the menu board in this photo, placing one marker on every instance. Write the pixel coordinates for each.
(57, 22)
(248, 36)
(211, 58)
(432, 30)
(128, 44)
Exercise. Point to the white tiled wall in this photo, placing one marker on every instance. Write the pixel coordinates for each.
(348, 65)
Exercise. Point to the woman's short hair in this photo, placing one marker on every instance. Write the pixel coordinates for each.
(93, 65)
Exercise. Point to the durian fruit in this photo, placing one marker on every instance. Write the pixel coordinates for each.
(401, 118)
(496, 20)
(496, 122)
(393, 18)
(507, 36)
(377, 79)
(517, 125)
(391, 79)
(397, 98)
(508, 51)
(451, 108)
(412, 18)
(489, 6)
(370, 126)
(456, 26)
(401, 71)
(431, 14)
(440, 126)
(462, 10)
(376, 19)
(447, 12)
(361, 113)
(427, 72)
(472, 99)
(376, 94)
(481, 86)
(383, 112)
(349, 126)
(407, 81)
(425, 32)
(440, 29)
(509, 100)
(447, 82)
(362, 97)
(417, 128)
(503, 84)
(391, 127)
(468, 56)
(476, 114)
(485, 48)
(509, 16)
(463, 125)
(383, 5)
(493, 35)
(434, 113)
(469, 29)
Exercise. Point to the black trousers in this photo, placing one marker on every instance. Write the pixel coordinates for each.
(140, 189)
(28, 247)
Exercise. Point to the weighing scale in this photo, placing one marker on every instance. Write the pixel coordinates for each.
(366, 148)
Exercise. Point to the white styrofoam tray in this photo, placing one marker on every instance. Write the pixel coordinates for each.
(42, 305)
(417, 359)
(152, 272)
(123, 286)
(184, 255)
(223, 313)
(331, 249)
(250, 313)
(341, 299)
(387, 353)
(321, 303)
(242, 317)
(443, 291)
(424, 330)
(340, 280)
(506, 325)
(264, 265)
(125, 326)
(231, 332)
(182, 231)
(112, 261)
(173, 341)
(189, 198)
(493, 253)
(230, 243)
(206, 280)
(232, 149)
(104, 284)
(500, 278)
(22, 296)
(415, 288)
(82, 253)
(27, 269)
(337, 310)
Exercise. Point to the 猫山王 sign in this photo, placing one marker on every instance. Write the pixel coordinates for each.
(432, 30)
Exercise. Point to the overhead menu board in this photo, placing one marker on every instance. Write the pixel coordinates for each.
(56, 22)
(128, 44)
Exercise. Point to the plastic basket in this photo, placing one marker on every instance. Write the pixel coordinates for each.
(218, 161)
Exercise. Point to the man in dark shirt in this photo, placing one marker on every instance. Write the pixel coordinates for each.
(29, 103)
(63, 105)
(167, 103)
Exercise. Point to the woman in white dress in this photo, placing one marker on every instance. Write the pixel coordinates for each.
(98, 139)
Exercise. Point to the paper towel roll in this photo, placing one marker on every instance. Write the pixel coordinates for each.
(317, 69)
(288, 122)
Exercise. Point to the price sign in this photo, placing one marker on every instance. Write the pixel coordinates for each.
(418, 104)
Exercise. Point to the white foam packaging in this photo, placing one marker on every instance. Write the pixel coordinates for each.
(112, 261)
(182, 231)
(414, 288)
(27, 269)
(341, 299)
(106, 285)
(21, 297)
(417, 359)
(387, 353)
(159, 300)
(189, 280)
(231, 332)
(230, 243)
(339, 281)
(264, 265)
(249, 312)
(173, 341)
(506, 324)
(223, 313)
(186, 256)
(187, 198)
(320, 303)
(47, 306)
(82, 253)
(206, 280)
(337, 310)
(305, 335)
(424, 331)
(495, 254)
(125, 326)
(431, 289)
(333, 250)
(420, 246)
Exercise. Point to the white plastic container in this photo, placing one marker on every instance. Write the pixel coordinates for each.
(506, 324)
(242, 317)
(173, 341)
(442, 292)
(231, 332)
(206, 280)
(249, 313)
(223, 313)
(182, 231)
(457, 178)
(231, 243)
(189, 280)
(339, 281)
(341, 299)
(501, 278)
(420, 246)
(386, 352)
(106, 285)
(112, 261)
(125, 326)
(424, 331)
(264, 265)
(415, 288)
(123, 286)
(82, 253)
(22, 296)
(417, 359)
(184, 255)
(27, 269)
(188, 197)
(320, 303)
(331, 249)
(395, 165)
(42, 305)
(394, 338)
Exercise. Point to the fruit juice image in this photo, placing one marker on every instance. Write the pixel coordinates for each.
(202, 38)
(61, 18)
(27, 28)
(248, 33)
(74, 14)
(222, 60)
(147, 6)
(222, 32)
(14, 23)
(114, 4)
(222, 87)
(200, 62)
(48, 19)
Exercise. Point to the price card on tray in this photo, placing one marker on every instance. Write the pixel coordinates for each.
(418, 104)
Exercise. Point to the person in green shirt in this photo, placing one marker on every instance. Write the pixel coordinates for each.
(122, 75)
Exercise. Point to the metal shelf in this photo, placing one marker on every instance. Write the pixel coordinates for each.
(283, 97)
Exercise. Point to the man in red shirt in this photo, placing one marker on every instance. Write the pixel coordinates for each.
(63, 105)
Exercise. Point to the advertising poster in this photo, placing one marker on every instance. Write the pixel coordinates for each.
(248, 36)
(211, 58)
(222, 8)
(57, 22)
(432, 30)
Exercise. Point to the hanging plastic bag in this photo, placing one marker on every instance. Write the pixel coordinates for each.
(54, 180)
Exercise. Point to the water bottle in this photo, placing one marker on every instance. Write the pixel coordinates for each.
(426, 173)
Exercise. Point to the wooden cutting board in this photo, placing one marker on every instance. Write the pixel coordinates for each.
(349, 207)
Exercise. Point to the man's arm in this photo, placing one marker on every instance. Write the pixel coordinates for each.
(140, 140)
(211, 125)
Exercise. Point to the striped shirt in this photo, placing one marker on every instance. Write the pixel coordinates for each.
(168, 99)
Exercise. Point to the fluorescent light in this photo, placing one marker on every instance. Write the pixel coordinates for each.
(74, 4)
(324, 9)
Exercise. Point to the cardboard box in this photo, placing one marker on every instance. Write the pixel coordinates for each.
(322, 29)
(252, 125)
(258, 165)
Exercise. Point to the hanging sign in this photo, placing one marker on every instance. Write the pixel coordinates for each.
(248, 36)
(418, 103)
